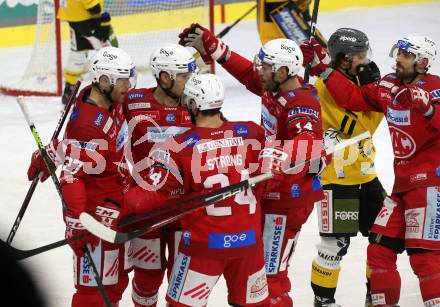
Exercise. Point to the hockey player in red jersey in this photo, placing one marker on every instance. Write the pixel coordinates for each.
(94, 177)
(224, 238)
(290, 112)
(410, 218)
(154, 115)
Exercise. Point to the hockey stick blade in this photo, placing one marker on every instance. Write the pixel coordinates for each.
(97, 229)
(112, 236)
(349, 142)
(20, 254)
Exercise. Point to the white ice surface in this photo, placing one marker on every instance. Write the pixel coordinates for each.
(43, 224)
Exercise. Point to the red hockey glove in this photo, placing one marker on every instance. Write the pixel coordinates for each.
(210, 47)
(109, 213)
(316, 57)
(74, 228)
(414, 98)
(273, 160)
(37, 163)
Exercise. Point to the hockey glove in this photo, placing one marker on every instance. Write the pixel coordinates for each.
(316, 58)
(367, 74)
(74, 229)
(414, 98)
(210, 47)
(37, 163)
(109, 213)
(103, 29)
(273, 160)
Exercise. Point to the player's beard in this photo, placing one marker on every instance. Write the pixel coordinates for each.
(269, 86)
(404, 73)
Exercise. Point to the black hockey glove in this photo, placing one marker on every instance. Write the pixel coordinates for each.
(102, 31)
(368, 73)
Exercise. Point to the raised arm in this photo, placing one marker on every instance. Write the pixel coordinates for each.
(213, 49)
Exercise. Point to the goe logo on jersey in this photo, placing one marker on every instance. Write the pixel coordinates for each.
(231, 240)
(191, 140)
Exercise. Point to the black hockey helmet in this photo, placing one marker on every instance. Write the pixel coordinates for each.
(346, 41)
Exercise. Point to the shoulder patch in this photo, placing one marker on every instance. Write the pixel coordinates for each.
(99, 118)
(191, 140)
(241, 130)
(421, 83)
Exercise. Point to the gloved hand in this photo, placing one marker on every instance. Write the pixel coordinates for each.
(108, 213)
(37, 163)
(368, 73)
(273, 160)
(316, 57)
(210, 47)
(74, 228)
(414, 98)
(103, 27)
(331, 139)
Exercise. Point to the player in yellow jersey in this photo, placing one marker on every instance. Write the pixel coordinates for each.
(353, 193)
(89, 29)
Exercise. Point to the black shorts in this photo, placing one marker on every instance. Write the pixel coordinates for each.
(348, 209)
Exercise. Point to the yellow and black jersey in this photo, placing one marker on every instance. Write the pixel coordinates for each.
(348, 167)
(78, 10)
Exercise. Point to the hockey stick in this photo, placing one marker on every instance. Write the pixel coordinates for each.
(20, 254)
(109, 235)
(98, 278)
(312, 33)
(34, 183)
(43, 153)
(112, 236)
(228, 28)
